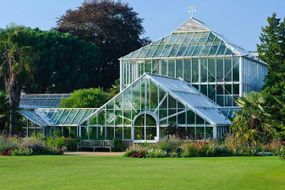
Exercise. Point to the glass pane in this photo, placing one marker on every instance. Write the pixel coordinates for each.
(163, 67)
(187, 70)
(212, 92)
(101, 133)
(182, 50)
(150, 133)
(215, 47)
(203, 70)
(197, 50)
(153, 96)
(190, 117)
(211, 70)
(93, 133)
(220, 70)
(127, 133)
(182, 118)
(222, 49)
(118, 133)
(190, 50)
(179, 68)
(236, 89)
(155, 67)
(151, 51)
(188, 38)
(171, 68)
(195, 71)
(228, 69)
(139, 133)
(236, 70)
(180, 38)
(158, 51)
(148, 66)
(190, 133)
(174, 50)
(200, 133)
(199, 120)
(209, 132)
(110, 132)
(204, 89)
(166, 51)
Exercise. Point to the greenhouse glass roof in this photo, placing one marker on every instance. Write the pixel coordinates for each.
(184, 93)
(33, 117)
(57, 116)
(192, 98)
(30, 101)
(193, 38)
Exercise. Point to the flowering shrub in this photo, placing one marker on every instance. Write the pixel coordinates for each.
(136, 151)
(156, 153)
(34, 145)
(196, 149)
(22, 151)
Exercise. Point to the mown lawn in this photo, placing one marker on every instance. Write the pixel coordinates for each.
(119, 173)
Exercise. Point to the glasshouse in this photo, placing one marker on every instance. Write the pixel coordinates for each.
(184, 84)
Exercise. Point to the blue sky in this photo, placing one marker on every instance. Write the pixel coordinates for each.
(240, 21)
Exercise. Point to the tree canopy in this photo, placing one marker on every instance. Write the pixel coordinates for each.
(64, 63)
(272, 50)
(262, 115)
(86, 98)
(17, 58)
(114, 26)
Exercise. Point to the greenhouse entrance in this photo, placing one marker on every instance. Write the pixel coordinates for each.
(145, 127)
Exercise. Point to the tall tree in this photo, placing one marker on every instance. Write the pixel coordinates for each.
(65, 62)
(272, 50)
(114, 26)
(17, 59)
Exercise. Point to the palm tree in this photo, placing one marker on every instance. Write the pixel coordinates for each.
(4, 110)
(251, 122)
(16, 60)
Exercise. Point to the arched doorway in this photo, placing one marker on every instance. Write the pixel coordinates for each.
(145, 127)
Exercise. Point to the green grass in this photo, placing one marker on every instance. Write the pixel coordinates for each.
(119, 173)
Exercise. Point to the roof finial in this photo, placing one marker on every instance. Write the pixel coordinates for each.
(192, 10)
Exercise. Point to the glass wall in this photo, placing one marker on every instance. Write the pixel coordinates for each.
(253, 75)
(144, 111)
(217, 78)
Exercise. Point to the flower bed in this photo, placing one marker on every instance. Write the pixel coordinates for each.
(36, 145)
(173, 147)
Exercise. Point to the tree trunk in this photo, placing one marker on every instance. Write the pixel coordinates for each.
(14, 98)
(13, 90)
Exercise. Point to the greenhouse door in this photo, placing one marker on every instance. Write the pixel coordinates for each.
(145, 128)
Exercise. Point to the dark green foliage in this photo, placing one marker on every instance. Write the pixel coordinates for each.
(70, 144)
(64, 63)
(113, 26)
(85, 98)
(252, 123)
(272, 50)
(119, 145)
(16, 65)
(4, 111)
